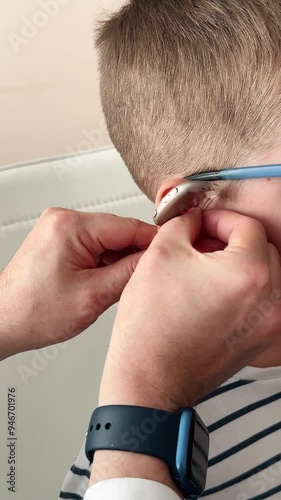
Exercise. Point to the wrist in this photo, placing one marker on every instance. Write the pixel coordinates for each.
(125, 385)
(9, 339)
(119, 464)
(108, 464)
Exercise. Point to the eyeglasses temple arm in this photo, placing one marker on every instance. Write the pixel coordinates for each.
(258, 172)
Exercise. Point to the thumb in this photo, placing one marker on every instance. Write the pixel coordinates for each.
(110, 281)
(181, 231)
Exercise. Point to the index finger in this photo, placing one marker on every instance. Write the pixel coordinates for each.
(110, 232)
(237, 231)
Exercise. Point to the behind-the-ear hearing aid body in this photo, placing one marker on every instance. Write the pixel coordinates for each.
(183, 197)
(195, 190)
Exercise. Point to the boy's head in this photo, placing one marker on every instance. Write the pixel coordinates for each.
(191, 85)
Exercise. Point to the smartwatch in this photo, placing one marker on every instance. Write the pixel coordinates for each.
(180, 439)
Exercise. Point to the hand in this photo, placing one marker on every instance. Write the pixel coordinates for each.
(181, 328)
(184, 334)
(69, 270)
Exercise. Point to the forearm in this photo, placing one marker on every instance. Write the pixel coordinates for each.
(131, 389)
(8, 342)
(10, 331)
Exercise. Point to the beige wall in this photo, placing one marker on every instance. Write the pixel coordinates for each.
(49, 102)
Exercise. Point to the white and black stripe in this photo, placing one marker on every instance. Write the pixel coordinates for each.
(243, 418)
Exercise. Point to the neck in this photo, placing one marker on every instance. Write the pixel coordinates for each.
(269, 358)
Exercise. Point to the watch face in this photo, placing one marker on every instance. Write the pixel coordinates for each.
(192, 454)
(199, 455)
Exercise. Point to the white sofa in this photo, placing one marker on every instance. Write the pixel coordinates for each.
(56, 388)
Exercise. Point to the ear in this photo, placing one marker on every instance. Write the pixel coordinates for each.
(167, 186)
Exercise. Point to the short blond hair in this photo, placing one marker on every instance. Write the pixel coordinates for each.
(191, 85)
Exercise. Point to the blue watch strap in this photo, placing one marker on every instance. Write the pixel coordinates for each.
(135, 429)
(180, 439)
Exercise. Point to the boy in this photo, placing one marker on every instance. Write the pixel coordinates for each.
(189, 86)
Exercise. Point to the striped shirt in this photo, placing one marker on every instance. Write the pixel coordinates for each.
(244, 420)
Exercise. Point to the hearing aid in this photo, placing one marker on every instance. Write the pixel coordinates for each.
(183, 197)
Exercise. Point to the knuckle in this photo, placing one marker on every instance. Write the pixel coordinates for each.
(136, 223)
(57, 218)
(250, 277)
(258, 277)
(48, 212)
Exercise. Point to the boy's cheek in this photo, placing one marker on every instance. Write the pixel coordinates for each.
(260, 199)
